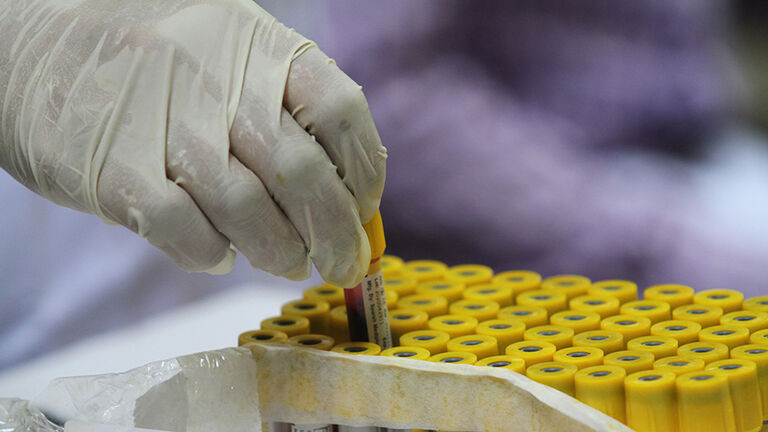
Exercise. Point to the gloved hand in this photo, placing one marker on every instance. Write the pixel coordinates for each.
(195, 123)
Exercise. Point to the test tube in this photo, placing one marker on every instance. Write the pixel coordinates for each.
(745, 392)
(659, 346)
(314, 341)
(654, 310)
(604, 305)
(550, 300)
(391, 266)
(480, 345)
(679, 364)
(263, 336)
(482, 310)
(557, 375)
(339, 324)
(402, 285)
(450, 290)
(675, 295)
(706, 315)
(454, 325)
(757, 304)
(732, 336)
(631, 361)
(505, 331)
(533, 352)
(531, 316)
(413, 353)
(582, 357)
(432, 340)
(433, 305)
(402, 321)
(424, 270)
(357, 348)
(684, 331)
(753, 320)
(454, 358)
(291, 325)
(518, 280)
(469, 274)
(503, 361)
(499, 293)
(559, 336)
(759, 337)
(570, 285)
(729, 300)
(316, 311)
(629, 326)
(651, 402)
(332, 294)
(707, 351)
(608, 341)
(704, 402)
(758, 354)
(623, 290)
(579, 321)
(602, 388)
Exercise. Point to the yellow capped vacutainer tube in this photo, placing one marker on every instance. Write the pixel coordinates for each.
(505, 362)
(413, 353)
(579, 321)
(454, 358)
(480, 345)
(262, 336)
(659, 346)
(582, 357)
(424, 270)
(402, 285)
(554, 374)
(550, 300)
(570, 285)
(602, 388)
(654, 310)
(402, 321)
(705, 315)
(623, 290)
(704, 402)
(679, 364)
(759, 337)
(315, 341)
(316, 311)
(391, 266)
(518, 280)
(391, 297)
(631, 361)
(499, 293)
(339, 326)
(450, 290)
(753, 320)
(732, 336)
(433, 305)
(728, 300)
(454, 325)
(758, 354)
(684, 331)
(432, 340)
(531, 316)
(675, 295)
(291, 325)
(505, 331)
(745, 392)
(357, 348)
(650, 401)
(332, 294)
(629, 326)
(469, 274)
(707, 351)
(603, 305)
(533, 352)
(559, 336)
(481, 310)
(757, 304)
(606, 340)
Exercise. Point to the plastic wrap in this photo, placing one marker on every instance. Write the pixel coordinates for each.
(18, 415)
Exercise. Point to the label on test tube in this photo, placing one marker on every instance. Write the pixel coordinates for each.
(312, 428)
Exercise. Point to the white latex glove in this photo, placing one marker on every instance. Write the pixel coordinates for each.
(195, 123)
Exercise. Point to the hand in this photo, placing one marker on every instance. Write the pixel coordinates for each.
(194, 124)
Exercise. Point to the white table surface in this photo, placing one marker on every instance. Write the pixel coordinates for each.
(210, 324)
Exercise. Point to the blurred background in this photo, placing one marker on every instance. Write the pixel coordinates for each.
(614, 140)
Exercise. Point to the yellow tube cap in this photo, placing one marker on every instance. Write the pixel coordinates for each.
(391, 298)
(452, 291)
(603, 305)
(675, 295)
(570, 285)
(631, 361)
(499, 293)
(518, 280)
(629, 326)
(432, 304)
(579, 321)
(659, 346)
(753, 320)
(623, 290)
(316, 311)
(729, 300)
(374, 229)
(550, 300)
(482, 310)
(454, 358)
(704, 402)
(469, 274)
(559, 336)
(732, 336)
(291, 325)
(424, 270)
(314, 341)
(454, 325)
(705, 315)
(606, 340)
(602, 388)
(758, 354)
(707, 351)
(531, 316)
(332, 294)
(679, 365)
(554, 374)
(582, 357)
(757, 304)
(262, 336)
(503, 361)
(357, 348)
(650, 401)
(480, 345)
(745, 392)
(506, 332)
(759, 337)
(533, 352)
(432, 340)
(339, 324)
(402, 285)
(402, 321)
(654, 310)
(683, 331)
(391, 265)
(413, 353)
